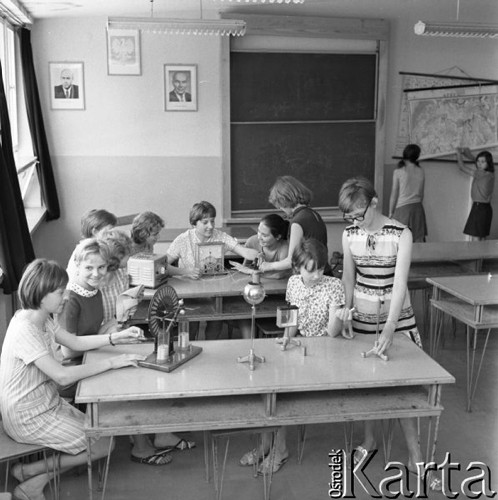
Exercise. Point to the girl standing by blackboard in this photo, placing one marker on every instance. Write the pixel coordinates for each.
(407, 193)
(479, 220)
(293, 198)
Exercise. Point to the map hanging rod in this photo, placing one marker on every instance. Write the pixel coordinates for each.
(444, 87)
(449, 77)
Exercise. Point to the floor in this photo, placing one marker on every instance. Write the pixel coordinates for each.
(468, 437)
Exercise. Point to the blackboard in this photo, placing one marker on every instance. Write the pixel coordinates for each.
(322, 156)
(307, 115)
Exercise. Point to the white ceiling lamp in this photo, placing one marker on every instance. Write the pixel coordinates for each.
(166, 26)
(180, 26)
(264, 1)
(456, 28)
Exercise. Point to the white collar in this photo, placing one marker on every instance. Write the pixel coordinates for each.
(83, 292)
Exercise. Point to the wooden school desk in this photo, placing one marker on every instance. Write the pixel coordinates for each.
(473, 300)
(332, 383)
(220, 297)
(446, 258)
(450, 257)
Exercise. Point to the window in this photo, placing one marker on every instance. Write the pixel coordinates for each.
(7, 47)
(21, 137)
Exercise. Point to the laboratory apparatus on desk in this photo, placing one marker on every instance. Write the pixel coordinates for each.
(254, 294)
(148, 269)
(288, 317)
(166, 312)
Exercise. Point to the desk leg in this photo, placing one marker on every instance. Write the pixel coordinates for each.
(471, 380)
(348, 429)
(433, 430)
(432, 433)
(106, 466)
(436, 327)
(89, 467)
(387, 428)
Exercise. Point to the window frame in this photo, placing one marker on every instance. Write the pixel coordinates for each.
(26, 161)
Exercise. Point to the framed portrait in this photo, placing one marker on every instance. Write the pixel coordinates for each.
(67, 85)
(211, 258)
(180, 87)
(123, 52)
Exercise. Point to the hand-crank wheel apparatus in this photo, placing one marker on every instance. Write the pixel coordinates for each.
(164, 309)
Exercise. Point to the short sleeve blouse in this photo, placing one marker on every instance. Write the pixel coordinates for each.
(184, 247)
(314, 303)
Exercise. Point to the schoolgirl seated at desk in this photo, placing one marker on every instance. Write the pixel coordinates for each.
(183, 250)
(272, 246)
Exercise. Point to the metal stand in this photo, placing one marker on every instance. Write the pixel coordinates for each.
(373, 351)
(253, 294)
(286, 341)
(251, 358)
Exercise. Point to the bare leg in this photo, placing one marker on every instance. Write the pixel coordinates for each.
(35, 473)
(280, 444)
(369, 441)
(142, 447)
(281, 453)
(409, 427)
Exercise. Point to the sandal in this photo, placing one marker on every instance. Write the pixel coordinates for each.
(251, 458)
(434, 482)
(360, 454)
(182, 445)
(264, 467)
(159, 458)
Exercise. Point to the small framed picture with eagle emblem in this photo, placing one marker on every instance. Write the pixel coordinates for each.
(123, 52)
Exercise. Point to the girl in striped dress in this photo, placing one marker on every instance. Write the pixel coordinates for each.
(30, 370)
(377, 255)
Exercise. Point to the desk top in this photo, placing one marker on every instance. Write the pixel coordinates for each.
(480, 289)
(226, 285)
(454, 250)
(330, 364)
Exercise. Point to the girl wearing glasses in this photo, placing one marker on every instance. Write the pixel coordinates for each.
(377, 254)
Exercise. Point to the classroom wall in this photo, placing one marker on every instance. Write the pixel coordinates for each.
(126, 154)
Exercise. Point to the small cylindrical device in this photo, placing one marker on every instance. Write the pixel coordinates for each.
(183, 331)
(162, 346)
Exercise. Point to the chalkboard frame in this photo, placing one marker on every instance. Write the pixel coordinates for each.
(343, 29)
